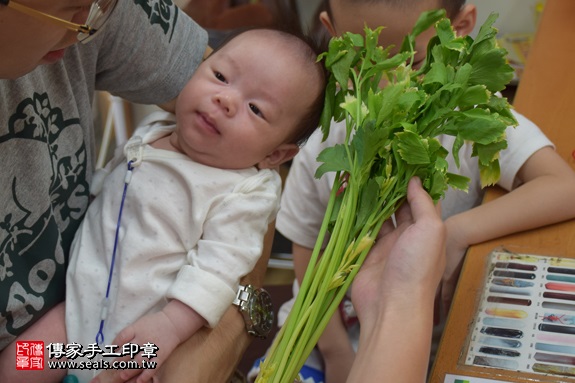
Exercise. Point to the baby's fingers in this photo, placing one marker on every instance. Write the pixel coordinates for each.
(115, 376)
(146, 376)
(127, 335)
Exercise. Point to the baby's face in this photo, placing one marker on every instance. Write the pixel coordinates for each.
(398, 22)
(243, 102)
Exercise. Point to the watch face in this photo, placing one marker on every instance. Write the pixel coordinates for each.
(261, 312)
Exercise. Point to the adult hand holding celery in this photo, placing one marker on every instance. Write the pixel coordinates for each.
(391, 132)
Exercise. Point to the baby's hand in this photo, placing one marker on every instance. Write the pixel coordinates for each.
(156, 329)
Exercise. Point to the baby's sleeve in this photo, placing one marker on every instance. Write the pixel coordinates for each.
(231, 244)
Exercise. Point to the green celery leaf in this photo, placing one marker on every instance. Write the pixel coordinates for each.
(338, 111)
(435, 149)
(334, 159)
(429, 57)
(356, 39)
(477, 125)
(437, 184)
(410, 100)
(389, 95)
(366, 143)
(412, 148)
(486, 31)
(336, 52)
(387, 64)
(458, 181)
(491, 69)
(374, 103)
(463, 73)
(437, 74)
(489, 174)
(356, 111)
(367, 201)
(501, 106)
(341, 68)
(487, 153)
(457, 145)
(476, 94)
(328, 107)
(373, 52)
(426, 20)
(447, 36)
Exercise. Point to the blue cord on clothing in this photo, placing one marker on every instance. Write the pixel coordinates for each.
(105, 301)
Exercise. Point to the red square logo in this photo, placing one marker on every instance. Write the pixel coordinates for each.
(30, 355)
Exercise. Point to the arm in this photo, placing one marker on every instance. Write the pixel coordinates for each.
(216, 352)
(211, 355)
(334, 343)
(544, 197)
(50, 328)
(394, 290)
(166, 329)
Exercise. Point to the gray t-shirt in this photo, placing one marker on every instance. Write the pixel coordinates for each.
(146, 53)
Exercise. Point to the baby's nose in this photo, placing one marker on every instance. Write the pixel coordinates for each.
(227, 102)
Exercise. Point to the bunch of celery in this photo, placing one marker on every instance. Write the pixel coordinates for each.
(391, 137)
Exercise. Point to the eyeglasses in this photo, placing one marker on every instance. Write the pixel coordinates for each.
(100, 11)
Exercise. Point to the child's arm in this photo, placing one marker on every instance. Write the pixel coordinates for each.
(544, 197)
(334, 344)
(166, 329)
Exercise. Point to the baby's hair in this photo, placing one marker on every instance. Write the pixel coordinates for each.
(452, 7)
(308, 49)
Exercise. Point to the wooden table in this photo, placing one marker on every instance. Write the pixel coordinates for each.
(546, 95)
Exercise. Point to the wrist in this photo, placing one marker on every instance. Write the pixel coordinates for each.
(233, 324)
(398, 308)
(183, 318)
(457, 231)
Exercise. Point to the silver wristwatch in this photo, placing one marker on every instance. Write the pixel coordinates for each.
(255, 304)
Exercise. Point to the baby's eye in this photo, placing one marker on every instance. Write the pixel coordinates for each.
(220, 76)
(256, 110)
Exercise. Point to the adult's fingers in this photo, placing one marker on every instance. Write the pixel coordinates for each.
(386, 228)
(420, 202)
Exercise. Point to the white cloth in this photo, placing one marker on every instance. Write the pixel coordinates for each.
(188, 232)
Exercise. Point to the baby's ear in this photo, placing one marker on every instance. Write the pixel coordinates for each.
(281, 154)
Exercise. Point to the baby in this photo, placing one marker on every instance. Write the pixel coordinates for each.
(179, 217)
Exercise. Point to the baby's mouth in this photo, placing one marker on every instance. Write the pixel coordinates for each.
(208, 123)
